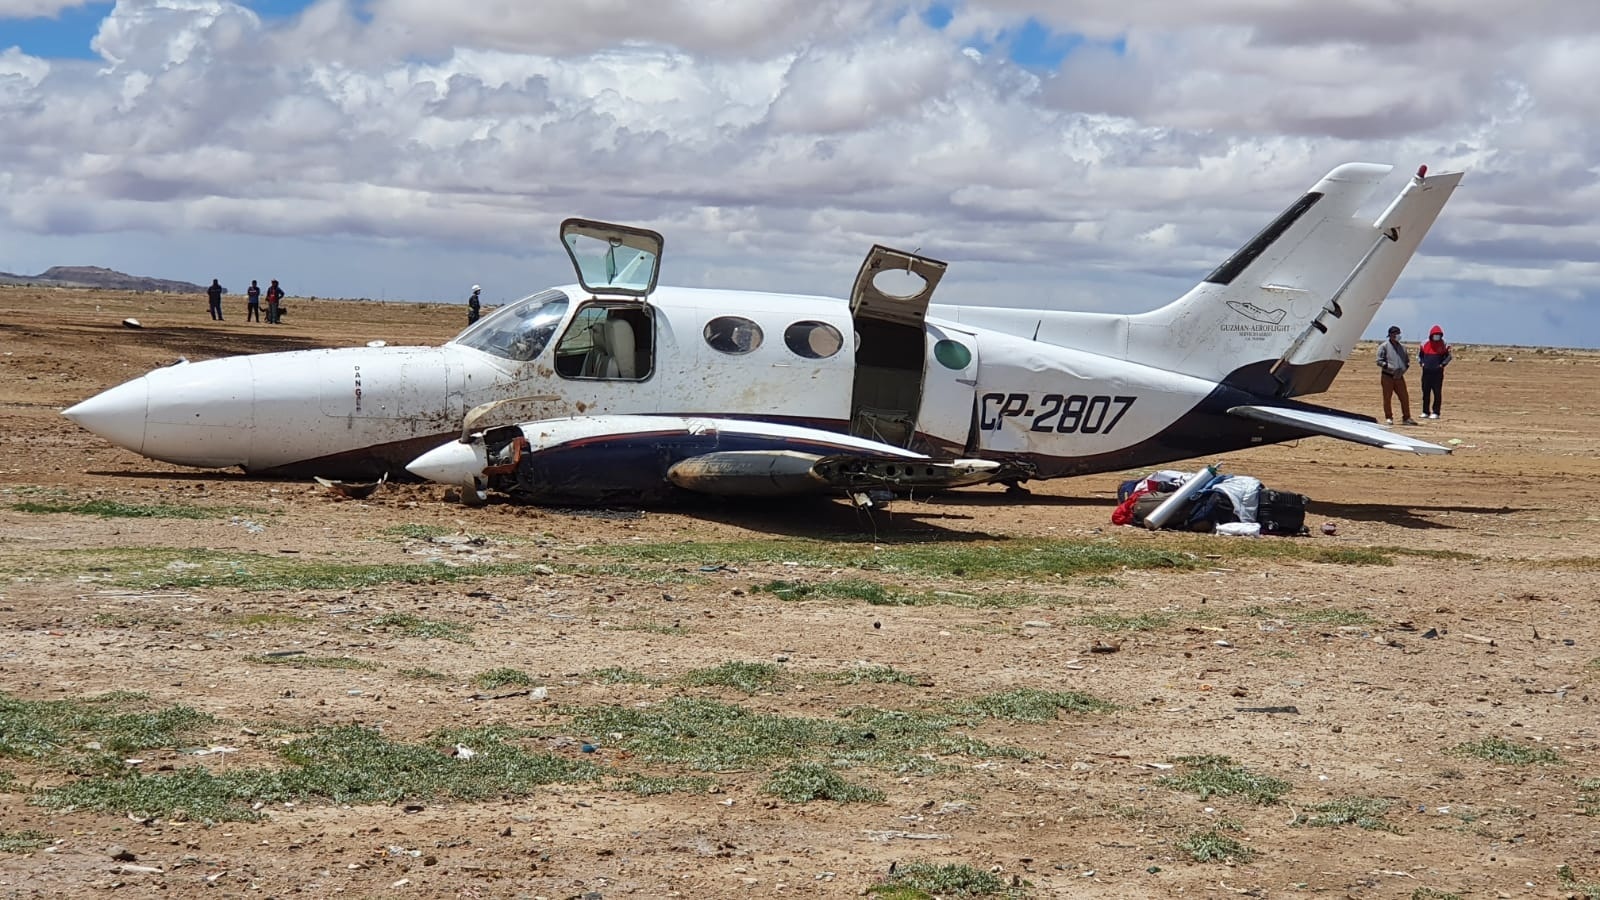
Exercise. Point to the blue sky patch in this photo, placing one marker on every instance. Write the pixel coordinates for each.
(64, 37)
(1032, 44)
(67, 36)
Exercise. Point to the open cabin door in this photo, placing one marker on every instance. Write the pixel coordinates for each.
(613, 260)
(888, 305)
(611, 337)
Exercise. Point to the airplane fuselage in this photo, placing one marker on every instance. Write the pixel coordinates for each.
(961, 389)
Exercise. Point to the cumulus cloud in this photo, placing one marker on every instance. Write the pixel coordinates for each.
(774, 141)
(36, 9)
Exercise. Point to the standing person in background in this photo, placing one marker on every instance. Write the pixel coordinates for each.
(274, 297)
(214, 294)
(252, 309)
(1433, 356)
(473, 305)
(1394, 361)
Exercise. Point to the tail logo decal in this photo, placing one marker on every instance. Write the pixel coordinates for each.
(1252, 311)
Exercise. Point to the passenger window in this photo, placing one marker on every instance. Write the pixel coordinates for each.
(813, 340)
(733, 334)
(607, 343)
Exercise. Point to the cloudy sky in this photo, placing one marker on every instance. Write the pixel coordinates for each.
(1091, 154)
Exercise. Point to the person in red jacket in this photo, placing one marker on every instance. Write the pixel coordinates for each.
(1432, 357)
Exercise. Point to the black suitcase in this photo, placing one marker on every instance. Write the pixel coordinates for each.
(1281, 512)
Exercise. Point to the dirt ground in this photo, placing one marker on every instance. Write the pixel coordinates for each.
(1482, 625)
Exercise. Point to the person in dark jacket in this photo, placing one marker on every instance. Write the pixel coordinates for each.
(214, 293)
(474, 306)
(252, 309)
(1432, 357)
(1394, 361)
(274, 297)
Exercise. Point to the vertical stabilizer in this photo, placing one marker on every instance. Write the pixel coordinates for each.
(1281, 315)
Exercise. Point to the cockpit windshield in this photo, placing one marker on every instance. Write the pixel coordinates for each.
(519, 331)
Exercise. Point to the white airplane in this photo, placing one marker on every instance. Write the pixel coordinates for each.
(630, 392)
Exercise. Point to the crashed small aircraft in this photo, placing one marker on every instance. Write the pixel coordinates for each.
(626, 392)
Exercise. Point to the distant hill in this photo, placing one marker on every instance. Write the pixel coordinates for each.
(97, 277)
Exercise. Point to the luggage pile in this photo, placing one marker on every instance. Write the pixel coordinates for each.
(1228, 504)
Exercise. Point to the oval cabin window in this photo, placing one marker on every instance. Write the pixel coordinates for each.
(733, 334)
(813, 340)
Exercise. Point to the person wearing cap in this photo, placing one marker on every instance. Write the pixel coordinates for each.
(1394, 361)
(473, 305)
(1432, 357)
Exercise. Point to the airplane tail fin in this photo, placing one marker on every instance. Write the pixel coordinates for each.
(1280, 316)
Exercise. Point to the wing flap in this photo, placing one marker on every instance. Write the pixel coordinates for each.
(1342, 427)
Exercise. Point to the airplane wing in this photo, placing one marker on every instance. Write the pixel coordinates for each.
(1342, 427)
(643, 458)
(756, 473)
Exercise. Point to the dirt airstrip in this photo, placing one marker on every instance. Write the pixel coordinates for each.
(1432, 669)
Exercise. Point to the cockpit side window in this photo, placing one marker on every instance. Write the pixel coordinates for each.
(608, 343)
(520, 331)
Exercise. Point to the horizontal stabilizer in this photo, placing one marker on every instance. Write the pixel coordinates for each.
(1342, 427)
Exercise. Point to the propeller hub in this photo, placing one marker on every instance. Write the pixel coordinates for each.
(452, 463)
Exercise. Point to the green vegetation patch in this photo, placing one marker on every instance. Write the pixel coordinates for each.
(418, 673)
(1590, 890)
(703, 734)
(1425, 893)
(1301, 615)
(1219, 776)
(1031, 705)
(844, 589)
(924, 880)
(618, 675)
(51, 730)
(1500, 750)
(414, 626)
(710, 736)
(22, 841)
(749, 677)
(1212, 845)
(652, 785)
(112, 509)
(873, 675)
(1588, 799)
(172, 568)
(807, 781)
(337, 765)
(1363, 812)
(907, 741)
(499, 678)
(299, 661)
(874, 594)
(1006, 559)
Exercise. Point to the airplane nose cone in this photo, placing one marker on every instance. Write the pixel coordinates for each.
(118, 415)
(452, 463)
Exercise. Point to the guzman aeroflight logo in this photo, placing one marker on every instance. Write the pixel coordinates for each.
(1252, 311)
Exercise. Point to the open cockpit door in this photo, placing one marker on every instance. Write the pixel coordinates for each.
(888, 305)
(612, 336)
(613, 260)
